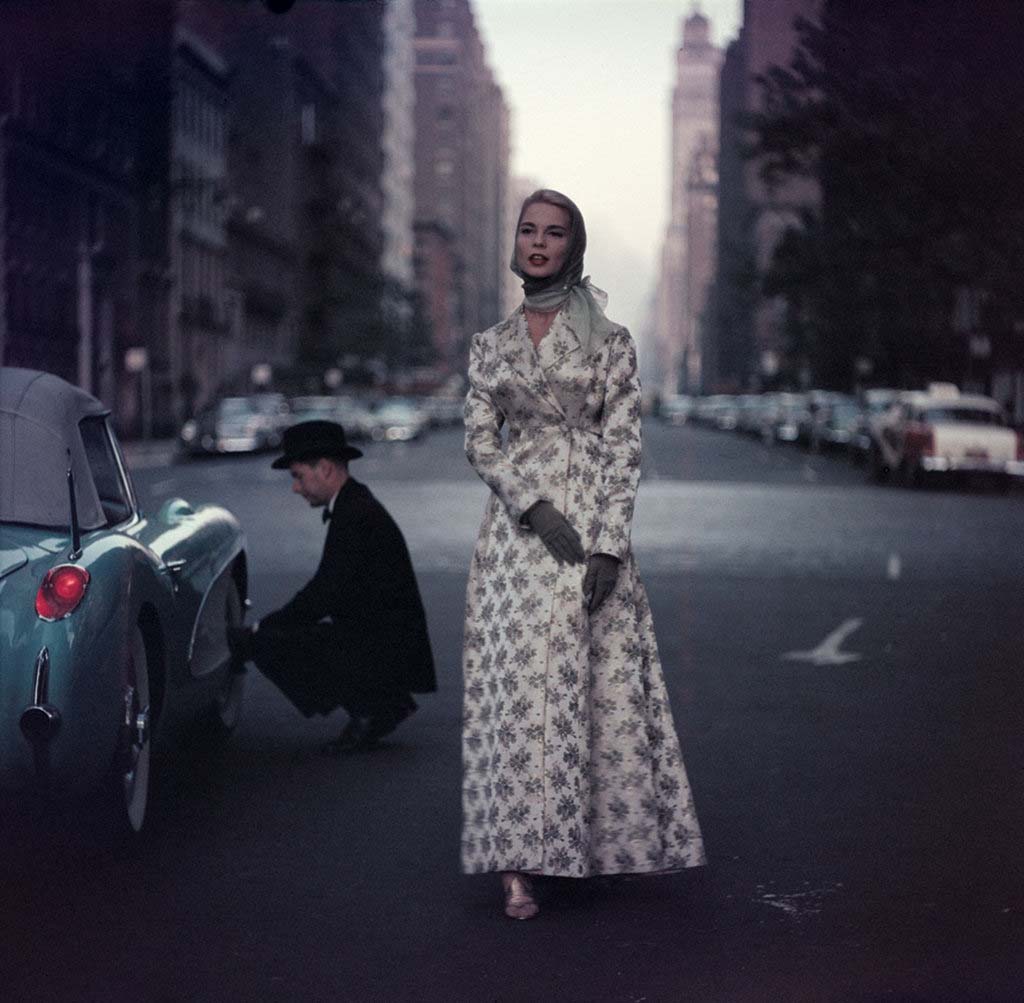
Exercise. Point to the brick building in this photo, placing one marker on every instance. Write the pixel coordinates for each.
(461, 158)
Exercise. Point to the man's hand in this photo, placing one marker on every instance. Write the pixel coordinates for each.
(562, 541)
(599, 581)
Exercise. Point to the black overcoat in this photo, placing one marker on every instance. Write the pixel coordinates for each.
(360, 618)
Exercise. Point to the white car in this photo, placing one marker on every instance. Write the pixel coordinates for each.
(943, 431)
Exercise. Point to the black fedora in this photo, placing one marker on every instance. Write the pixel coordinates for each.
(311, 440)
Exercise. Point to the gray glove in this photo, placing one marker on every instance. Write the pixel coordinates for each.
(599, 581)
(556, 532)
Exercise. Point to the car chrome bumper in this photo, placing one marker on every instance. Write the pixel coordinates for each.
(970, 465)
(237, 444)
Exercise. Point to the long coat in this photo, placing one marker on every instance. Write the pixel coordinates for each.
(357, 627)
(571, 763)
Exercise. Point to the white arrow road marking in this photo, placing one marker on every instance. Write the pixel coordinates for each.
(828, 653)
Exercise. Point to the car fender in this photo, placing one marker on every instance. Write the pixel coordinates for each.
(85, 653)
(197, 552)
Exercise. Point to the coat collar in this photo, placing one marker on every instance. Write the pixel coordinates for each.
(520, 354)
(531, 363)
(345, 497)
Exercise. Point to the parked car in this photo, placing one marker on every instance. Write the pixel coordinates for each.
(717, 411)
(443, 411)
(236, 425)
(676, 409)
(831, 423)
(114, 618)
(748, 409)
(782, 419)
(397, 419)
(873, 402)
(344, 409)
(942, 431)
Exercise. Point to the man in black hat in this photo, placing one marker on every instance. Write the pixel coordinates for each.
(355, 636)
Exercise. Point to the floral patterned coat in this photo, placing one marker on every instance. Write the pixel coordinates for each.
(571, 763)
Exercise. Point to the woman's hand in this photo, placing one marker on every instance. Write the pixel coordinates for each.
(599, 581)
(556, 532)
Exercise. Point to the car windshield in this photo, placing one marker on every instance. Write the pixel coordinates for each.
(234, 406)
(963, 416)
(843, 412)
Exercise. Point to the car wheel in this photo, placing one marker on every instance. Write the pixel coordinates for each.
(911, 475)
(877, 470)
(119, 811)
(133, 771)
(223, 716)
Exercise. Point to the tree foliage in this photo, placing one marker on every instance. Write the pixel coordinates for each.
(907, 116)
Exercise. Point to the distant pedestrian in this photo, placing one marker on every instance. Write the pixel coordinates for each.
(355, 636)
(571, 762)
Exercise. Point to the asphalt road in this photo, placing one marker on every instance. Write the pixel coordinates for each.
(844, 667)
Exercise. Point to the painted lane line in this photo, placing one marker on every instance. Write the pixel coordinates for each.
(893, 568)
(828, 653)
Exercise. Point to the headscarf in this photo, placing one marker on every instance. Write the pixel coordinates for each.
(568, 287)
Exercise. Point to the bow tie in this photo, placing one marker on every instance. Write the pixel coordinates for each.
(327, 515)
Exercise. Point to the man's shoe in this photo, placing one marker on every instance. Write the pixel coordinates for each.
(385, 723)
(362, 733)
(353, 736)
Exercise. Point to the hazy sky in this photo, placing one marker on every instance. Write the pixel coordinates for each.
(589, 83)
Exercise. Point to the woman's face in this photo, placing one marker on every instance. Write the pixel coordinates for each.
(542, 241)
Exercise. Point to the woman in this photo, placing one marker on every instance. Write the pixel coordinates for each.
(571, 763)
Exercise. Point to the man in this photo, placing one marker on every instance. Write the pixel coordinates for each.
(356, 635)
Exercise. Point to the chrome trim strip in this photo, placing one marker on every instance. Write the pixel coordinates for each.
(126, 479)
(41, 684)
(39, 721)
(202, 606)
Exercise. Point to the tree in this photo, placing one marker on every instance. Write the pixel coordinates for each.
(905, 114)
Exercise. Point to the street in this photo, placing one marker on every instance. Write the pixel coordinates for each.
(843, 662)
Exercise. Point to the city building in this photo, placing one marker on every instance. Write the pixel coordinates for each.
(461, 180)
(198, 331)
(70, 252)
(748, 329)
(192, 195)
(686, 254)
(729, 358)
(399, 139)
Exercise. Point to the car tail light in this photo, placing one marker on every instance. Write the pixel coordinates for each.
(61, 591)
(919, 439)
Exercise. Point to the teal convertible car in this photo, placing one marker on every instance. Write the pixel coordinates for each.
(112, 619)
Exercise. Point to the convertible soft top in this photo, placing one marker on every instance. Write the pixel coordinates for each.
(39, 416)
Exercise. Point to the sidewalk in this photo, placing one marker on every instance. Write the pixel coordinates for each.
(148, 454)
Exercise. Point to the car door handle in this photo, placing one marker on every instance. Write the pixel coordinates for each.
(174, 567)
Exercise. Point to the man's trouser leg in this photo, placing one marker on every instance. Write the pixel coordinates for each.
(312, 669)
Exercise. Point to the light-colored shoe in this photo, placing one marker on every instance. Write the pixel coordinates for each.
(519, 900)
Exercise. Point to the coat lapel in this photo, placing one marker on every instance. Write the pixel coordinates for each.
(519, 353)
(561, 341)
